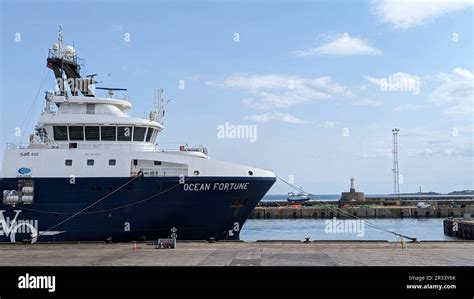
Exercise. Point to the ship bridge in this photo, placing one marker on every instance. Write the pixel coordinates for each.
(82, 121)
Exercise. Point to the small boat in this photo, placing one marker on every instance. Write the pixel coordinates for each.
(302, 196)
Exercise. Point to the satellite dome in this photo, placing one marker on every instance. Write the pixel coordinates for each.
(55, 47)
(69, 50)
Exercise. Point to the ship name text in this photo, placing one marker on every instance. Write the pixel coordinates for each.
(215, 186)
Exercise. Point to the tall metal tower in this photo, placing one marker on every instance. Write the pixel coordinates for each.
(396, 174)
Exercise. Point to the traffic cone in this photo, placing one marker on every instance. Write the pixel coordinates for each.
(135, 246)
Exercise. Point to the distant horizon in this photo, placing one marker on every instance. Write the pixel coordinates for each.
(423, 192)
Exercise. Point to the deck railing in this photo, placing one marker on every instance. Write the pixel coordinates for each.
(17, 145)
(162, 171)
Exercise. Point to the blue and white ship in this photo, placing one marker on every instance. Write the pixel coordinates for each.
(92, 172)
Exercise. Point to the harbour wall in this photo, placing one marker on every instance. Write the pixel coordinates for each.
(305, 212)
(460, 228)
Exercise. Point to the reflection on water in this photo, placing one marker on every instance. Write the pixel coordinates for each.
(298, 229)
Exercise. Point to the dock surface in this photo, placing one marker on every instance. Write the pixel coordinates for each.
(268, 253)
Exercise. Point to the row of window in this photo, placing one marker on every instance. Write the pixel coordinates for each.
(90, 162)
(112, 162)
(104, 133)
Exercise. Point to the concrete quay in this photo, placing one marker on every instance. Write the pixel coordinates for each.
(292, 212)
(260, 253)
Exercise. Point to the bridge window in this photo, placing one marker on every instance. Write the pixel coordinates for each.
(155, 133)
(149, 133)
(157, 162)
(90, 109)
(139, 133)
(112, 162)
(68, 162)
(108, 133)
(90, 162)
(60, 133)
(92, 133)
(124, 133)
(76, 133)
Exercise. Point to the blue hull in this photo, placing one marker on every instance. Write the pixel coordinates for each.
(147, 208)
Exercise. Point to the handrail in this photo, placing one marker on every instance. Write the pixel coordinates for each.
(80, 145)
(162, 171)
(182, 147)
(113, 113)
(17, 145)
(99, 145)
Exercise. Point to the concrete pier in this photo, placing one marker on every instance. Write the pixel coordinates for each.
(264, 253)
(291, 212)
(460, 228)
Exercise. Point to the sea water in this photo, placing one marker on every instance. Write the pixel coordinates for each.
(424, 229)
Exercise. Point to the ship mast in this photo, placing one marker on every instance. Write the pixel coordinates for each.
(158, 112)
(63, 61)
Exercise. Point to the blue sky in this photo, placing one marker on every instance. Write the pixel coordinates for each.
(302, 72)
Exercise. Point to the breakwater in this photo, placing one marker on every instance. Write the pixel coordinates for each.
(296, 212)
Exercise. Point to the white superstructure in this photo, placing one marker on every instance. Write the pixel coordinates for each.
(88, 136)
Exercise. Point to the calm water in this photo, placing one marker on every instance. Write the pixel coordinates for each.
(298, 229)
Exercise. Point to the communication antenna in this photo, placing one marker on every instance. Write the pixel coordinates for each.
(60, 38)
(396, 173)
(158, 112)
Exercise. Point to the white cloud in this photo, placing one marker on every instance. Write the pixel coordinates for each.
(194, 77)
(276, 116)
(117, 27)
(423, 142)
(341, 44)
(282, 91)
(403, 14)
(367, 102)
(328, 124)
(398, 81)
(456, 90)
(407, 107)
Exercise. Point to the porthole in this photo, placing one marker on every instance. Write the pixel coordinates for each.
(250, 172)
(196, 172)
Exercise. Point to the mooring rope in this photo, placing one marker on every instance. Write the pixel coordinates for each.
(27, 119)
(353, 216)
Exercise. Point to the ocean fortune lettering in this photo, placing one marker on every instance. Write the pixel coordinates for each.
(215, 186)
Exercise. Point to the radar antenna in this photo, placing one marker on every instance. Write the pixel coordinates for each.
(110, 90)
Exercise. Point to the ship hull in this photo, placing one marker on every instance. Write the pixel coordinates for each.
(127, 209)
